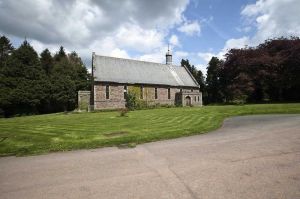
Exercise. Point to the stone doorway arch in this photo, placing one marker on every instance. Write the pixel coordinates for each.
(188, 101)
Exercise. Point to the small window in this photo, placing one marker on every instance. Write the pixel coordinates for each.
(192, 90)
(125, 91)
(141, 92)
(198, 99)
(181, 90)
(169, 93)
(195, 99)
(155, 93)
(107, 91)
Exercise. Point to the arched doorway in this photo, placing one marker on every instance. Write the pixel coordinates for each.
(188, 101)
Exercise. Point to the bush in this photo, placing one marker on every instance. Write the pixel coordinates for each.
(130, 101)
(240, 100)
(123, 112)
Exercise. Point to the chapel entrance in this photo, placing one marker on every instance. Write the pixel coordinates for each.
(188, 101)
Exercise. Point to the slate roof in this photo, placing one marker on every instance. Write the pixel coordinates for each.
(127, 71)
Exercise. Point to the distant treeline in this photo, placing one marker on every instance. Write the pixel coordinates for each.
(34, 84)
(269, 72)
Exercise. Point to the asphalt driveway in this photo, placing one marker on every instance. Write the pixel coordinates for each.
(249, 157)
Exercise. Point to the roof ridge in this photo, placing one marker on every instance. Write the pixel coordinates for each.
(136, 60)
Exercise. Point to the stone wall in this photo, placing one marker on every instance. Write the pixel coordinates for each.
(116, 95)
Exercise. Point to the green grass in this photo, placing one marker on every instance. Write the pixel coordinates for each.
(59, 132)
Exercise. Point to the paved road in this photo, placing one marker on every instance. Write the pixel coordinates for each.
(249, 157)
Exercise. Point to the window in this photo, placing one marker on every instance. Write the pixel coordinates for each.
(198, 99)
(169, 93)
(195, 99)
(181, 90)
(192, 90)
(107, 92)
(125, 91)
(141, 93)
(155, 93)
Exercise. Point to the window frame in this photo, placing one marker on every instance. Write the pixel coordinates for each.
(125, 91)
(107, 92)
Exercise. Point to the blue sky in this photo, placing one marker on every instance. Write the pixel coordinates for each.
(142, 29)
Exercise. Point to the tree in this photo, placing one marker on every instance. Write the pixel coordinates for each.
(213, 85)
(60, 55)
(24, 82)
(46, 61)
(6, 49)
(197, 74)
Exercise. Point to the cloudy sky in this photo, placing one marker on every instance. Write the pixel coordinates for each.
(142, 29)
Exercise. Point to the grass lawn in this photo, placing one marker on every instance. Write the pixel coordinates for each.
(59, 132)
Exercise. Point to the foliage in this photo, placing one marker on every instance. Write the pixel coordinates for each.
(123, 112)
(213, 81)
(59, 132)
(130, 98)
(197, 74)
(268, 72)
(30, 84)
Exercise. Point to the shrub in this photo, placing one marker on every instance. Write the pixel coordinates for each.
(123, 112)
(130, 101)
(240, 100)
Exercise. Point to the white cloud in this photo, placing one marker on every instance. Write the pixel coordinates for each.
(273, 18)
(174, 41)
(181, 54)
(270, 18)
(206, 56)
(119, 53)
(107, 27)
(190, 28)
(236, 43)
(134, 37)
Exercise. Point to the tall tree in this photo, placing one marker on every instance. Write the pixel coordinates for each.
(6, 49)
(213, 85)
(46, 61)
(24, 82)
(61, 54)
(197, 74)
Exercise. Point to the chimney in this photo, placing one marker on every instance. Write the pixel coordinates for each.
(168, 57)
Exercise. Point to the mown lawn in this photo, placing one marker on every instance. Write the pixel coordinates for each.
(59, 132)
